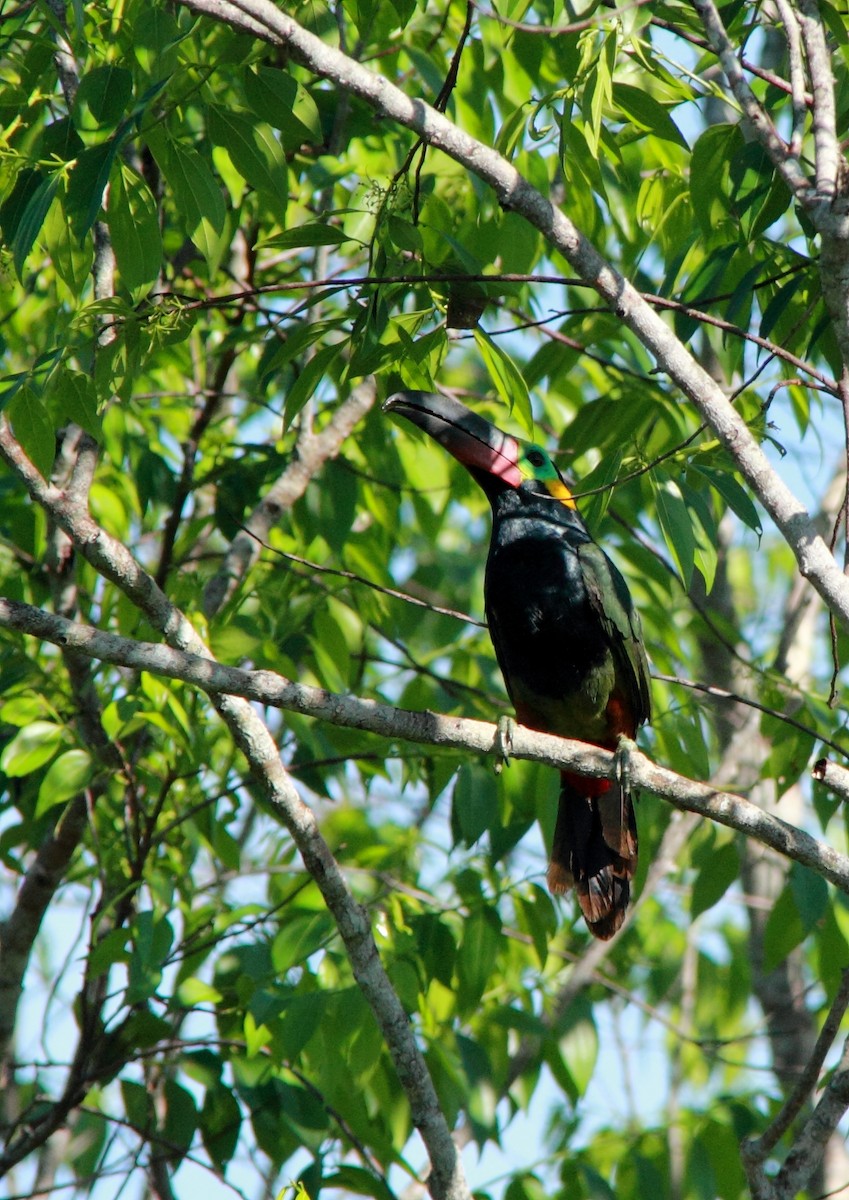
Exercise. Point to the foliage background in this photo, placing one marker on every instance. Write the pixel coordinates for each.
(213, 262)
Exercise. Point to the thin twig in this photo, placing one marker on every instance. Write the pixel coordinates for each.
(808, 1081)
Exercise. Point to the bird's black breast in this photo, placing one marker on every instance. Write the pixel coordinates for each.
(547, 636)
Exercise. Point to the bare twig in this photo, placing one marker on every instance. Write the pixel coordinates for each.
(312, 452)
(809, 1145)
(802, 1092)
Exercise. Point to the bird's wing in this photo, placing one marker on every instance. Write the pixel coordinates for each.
(609, 596)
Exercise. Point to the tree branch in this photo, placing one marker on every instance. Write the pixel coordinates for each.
(785, 162)
(797, 75)
(805, 1086)
(266, 687)
(819, 1127)
(115, 563)
(833, 776)
(827, 156)
(815, 561)
(18, 932)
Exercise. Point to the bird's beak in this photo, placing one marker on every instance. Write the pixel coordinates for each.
(481, 447)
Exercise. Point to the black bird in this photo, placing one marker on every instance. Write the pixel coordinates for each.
(567, 640)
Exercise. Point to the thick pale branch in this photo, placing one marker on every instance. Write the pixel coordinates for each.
(114, 562)
(515, 193)
(783, 160)
(430, 728)
(797, 75)
(824, 196)
(827, 156)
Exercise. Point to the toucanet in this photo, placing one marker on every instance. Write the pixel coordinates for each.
(567, 639)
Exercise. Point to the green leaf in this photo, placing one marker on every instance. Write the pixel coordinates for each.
(507, 380)
(477, 956)
(71, 258)
(572, 1051)
(600, 92)
(297, 1020)
(784, 930)
(75, 395)
(197, 195)
(643, 110)
(30, 748)
(280, 100)
(735, 496)
(27, 182)
(677, 526)
(307, 235)
(102, 97)
(706, 555)
(31, 220)
(156, 35)
(579, 1050)
(474, 803)
(220, 1122)
(194, 991)
(778, 304)
(307, 382)
(256, 1036)
(134, 225)
(181, 1115)
(300, 936)
(66, 777)
(87, 183)
(90, 1130)
(709, 175)
(332, 655)
(539, 919)
(718, 872)
(810, 892)
(512, 130)
(254, 150)
(110, 949)
(153, 938)
(358, 1181)
(138, 1105)
(33, 428)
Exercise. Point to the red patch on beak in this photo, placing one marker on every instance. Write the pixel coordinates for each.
(500, 460)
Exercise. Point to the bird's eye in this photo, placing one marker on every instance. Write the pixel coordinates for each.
(536, 458)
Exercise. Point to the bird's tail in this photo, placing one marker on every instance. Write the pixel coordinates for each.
(595, 850)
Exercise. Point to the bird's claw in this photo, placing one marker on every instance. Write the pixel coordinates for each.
(504, 742)
(625, 748)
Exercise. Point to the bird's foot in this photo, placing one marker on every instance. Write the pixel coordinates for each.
(625, 748)
(504, 742)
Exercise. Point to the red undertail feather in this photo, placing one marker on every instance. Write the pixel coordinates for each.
(595, 850)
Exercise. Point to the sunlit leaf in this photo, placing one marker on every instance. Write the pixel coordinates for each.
(284, 103)
(507, 380)
(254, 149)
(31, 747)
(66, 777)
